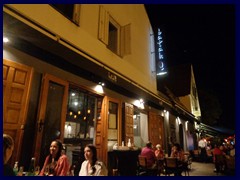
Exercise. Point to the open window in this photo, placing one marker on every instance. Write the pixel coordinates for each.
(115, 36)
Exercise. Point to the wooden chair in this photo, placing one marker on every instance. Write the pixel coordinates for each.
(143, 169)
(209, 156)
(196, 155)
(186, 164)
(171, 166)
(160, 166)
(230, 163)
(220, 162)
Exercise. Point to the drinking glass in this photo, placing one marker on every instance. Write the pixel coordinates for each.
(46, 171)
(20, 172)
(37, 170)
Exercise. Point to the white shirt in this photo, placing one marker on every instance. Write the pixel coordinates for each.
(101, 170)
(202, 143)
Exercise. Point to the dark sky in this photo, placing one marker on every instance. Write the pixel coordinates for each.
(203, 35)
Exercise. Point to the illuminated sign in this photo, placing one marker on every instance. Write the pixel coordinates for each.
(160, 65)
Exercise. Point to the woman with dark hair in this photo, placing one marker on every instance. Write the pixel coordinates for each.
(92, 166)
(177, 152)
(56, 163)
(8, 146)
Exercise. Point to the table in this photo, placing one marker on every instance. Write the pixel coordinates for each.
(124, 160)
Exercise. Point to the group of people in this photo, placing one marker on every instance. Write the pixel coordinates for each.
(56, 163)
(154, 156)
(151, 155)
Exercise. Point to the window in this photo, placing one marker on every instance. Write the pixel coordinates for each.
(71, 11)
(115, 36)
(194, 89)
(140, 130)
(81, 114)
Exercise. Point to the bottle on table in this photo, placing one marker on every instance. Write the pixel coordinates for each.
(20, 172)
(129, 143)
(31, 169)
(15, 168)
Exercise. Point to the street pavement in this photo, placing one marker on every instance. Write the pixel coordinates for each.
(203, 169)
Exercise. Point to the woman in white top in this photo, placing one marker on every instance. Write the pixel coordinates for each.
(91, 166)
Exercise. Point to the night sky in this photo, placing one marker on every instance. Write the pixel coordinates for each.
(203, 35)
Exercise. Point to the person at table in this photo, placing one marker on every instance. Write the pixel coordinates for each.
(231, 151)
(56, 163)
(148, 152)
(177, 152)
(159, 152)
(92, 166)
(8, 146)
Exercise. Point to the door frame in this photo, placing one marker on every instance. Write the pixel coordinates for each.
(42, 110)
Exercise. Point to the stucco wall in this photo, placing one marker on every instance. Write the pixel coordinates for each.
(136, 66)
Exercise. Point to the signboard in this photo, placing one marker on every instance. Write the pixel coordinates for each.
(160, 59)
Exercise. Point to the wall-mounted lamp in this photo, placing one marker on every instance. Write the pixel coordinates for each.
(139, 103)
(186, 125)
(99, 88)
(5, 39)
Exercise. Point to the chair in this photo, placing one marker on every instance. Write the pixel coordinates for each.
(172, 167)
(219, 163)
(160, 166)
(196, 155)
(209, 156)
(143, 169)
(186, 164)
(230, 163)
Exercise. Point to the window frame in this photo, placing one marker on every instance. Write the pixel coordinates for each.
(123, 33)
(75, 13)
(118, 28)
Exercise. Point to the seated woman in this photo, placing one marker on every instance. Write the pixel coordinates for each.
(159, 152)
(178, 153)
(8, 147)
(91, 166)
(56, 163)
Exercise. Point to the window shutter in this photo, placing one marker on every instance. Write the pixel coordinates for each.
(103, 25)
(125, 40)
(76, 13)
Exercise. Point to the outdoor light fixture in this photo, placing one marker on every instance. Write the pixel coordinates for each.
(5, 39)
(161, 73)
(99, 87)
(139, 103)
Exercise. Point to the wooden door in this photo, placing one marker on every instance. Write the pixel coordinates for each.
(128, 123)
(16, 86)
(156, 129)
(51, 115)
(100, 136)
(102, 126)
